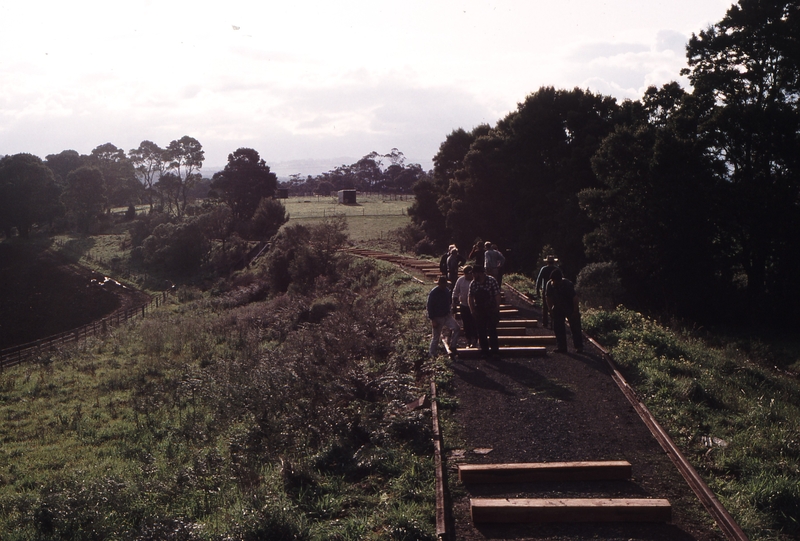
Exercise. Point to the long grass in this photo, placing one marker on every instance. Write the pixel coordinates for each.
(732, 411)
(230, 416)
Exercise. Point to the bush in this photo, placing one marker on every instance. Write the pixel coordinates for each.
(599, 285)
(302, 254)
(177, 248)
(268, 218)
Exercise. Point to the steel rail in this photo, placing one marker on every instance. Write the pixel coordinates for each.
(441, 519)
(724, 520)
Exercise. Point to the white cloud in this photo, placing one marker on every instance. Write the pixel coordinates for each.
(308, 79)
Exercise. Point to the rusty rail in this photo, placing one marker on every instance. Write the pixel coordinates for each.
(724, 520)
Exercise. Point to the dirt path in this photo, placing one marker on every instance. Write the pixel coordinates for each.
(561, 407)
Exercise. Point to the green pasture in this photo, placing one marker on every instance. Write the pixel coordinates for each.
(372, 217)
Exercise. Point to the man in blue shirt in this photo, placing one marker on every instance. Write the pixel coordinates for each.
(439, 308)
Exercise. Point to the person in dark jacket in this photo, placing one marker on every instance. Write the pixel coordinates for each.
(439, 309)
(484, 304)
(563, 304)
(541, 282)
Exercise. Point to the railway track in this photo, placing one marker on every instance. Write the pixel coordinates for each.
(550, 449)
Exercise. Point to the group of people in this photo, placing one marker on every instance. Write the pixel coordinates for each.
(476, 297)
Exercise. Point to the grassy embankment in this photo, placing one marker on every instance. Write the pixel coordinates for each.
(731, 404)
(230, 415)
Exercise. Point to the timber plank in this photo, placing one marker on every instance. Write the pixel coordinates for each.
(509, 510)
(518, 323)
(532, 472)
(525, 340)
(531, 351)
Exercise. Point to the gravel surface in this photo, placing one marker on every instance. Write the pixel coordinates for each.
(561, 407)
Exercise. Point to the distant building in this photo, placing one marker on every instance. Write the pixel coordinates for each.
(347, 197)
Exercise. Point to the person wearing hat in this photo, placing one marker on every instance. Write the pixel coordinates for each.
(454, 260)
(541, 281)
(563, 304)
(461, 303)
(484, 304)
(441, 315)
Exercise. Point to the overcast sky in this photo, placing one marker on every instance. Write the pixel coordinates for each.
(327, 80)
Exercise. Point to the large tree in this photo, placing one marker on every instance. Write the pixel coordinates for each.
(245, 180)
(516, 184)
(185, 158)
(122, 188)
(746, 69)
(85, 196)
(655, 208)
(63, 163)
(28, 193)
(149, 162)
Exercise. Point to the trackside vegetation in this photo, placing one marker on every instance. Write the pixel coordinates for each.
(249, 411)
(732, 406)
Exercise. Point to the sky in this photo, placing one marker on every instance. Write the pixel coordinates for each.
(315, 84)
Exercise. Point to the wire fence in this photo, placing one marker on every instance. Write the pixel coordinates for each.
(18, 354)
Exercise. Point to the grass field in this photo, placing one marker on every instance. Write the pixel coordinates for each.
(371, 218)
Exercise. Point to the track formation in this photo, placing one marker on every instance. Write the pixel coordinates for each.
(548, 448)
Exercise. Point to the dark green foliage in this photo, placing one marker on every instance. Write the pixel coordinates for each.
(300, 255)
(599, 285)
(516, 184)
(28, 194)
(655, 211)
(746, 74)
(244, 182)
(84, 197)
(121, 185)
(267, 219)
(177, 248)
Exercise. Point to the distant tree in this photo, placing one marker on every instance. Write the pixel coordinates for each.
(85, 196)
(185, 158)
(149, 162)
(244, 182)
(28, 193)
(122, 188)
(324, 188)
(63, 163)
(168, 187)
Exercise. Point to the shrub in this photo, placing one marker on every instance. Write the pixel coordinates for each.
(599, 285)
(179, 248)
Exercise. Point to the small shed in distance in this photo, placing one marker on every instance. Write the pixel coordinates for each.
(347, 197)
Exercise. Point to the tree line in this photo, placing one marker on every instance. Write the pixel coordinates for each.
(192, 221)
(689, 198)
(372, 173)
